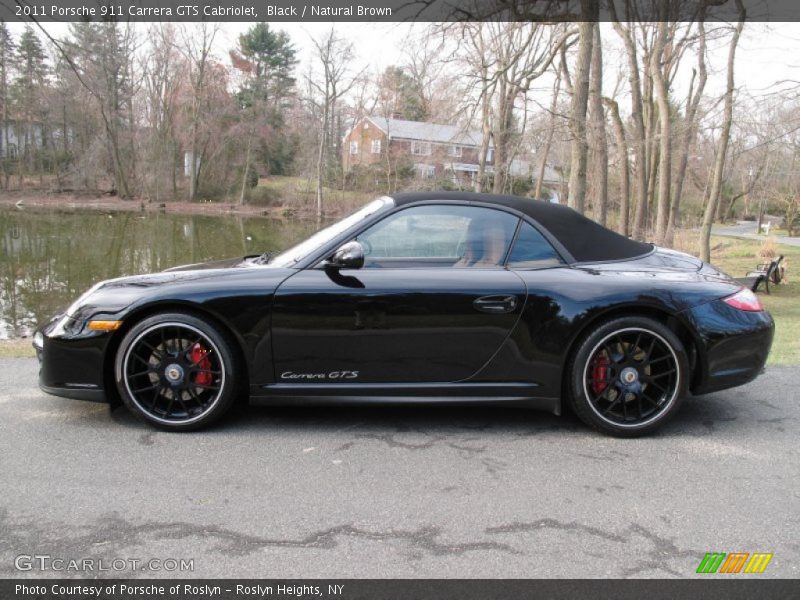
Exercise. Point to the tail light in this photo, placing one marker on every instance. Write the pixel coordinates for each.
(745, 300)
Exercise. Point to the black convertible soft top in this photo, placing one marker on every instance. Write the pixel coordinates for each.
(584, 239)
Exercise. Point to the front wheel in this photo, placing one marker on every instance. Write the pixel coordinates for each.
(176, 371)
(628, 377)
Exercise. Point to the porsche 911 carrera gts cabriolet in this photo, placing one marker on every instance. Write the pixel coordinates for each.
(446, 297)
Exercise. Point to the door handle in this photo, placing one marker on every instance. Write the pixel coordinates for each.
(495, 304)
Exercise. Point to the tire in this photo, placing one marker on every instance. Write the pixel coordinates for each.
(176, 371)
(628, 376)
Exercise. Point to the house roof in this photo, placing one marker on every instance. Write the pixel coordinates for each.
(521, 168)
(427, 132)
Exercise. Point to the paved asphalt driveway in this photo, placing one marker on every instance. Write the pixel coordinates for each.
(747, 230)
(403, 491)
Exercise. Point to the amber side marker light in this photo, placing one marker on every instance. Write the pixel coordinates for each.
(104, 325)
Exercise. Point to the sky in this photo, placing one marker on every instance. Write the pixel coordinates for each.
(768, 53)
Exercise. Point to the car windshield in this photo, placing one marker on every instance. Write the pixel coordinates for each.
(296, 253)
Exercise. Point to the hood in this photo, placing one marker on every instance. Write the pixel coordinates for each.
(193, 282)
(226, 263)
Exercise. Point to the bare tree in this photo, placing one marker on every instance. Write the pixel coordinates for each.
(523, 52)
(196, 47)
(27, 91)
(665, 138)
(163, 78)
(334, 55)
(6, 53)
(722, 149)
(577, 120)
(501, 61)
(545, 151)
(689, 133)
(623, 168)
(626, 33)
(599, 144)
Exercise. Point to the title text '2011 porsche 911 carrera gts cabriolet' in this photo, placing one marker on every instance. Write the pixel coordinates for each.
(453, 297)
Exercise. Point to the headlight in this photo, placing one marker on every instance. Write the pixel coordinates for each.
(77, 304)
(65, 325)
(38, 340)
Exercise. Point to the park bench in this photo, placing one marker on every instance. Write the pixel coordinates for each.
(764, 273)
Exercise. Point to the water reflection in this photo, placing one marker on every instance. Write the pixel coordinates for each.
(48, 258)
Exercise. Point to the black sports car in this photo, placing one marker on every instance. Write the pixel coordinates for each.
(427, 296)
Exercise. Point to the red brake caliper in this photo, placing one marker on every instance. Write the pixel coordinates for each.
(198, 357)
(599, 373)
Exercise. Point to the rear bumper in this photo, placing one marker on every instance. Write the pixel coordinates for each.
(71, 361)
(733, 345)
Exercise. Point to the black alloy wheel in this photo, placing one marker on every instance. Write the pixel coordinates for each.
(176, 371)
(629, 376)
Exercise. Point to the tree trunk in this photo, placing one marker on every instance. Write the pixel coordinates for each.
(665, 148)
(722, 151)
(689, 131)
(193, 150)
(580, 98)
(502, 137)
(622, 151)
(323, 142)
(246, 167)
(486, 129)
(638, 141)
(5, 60)
(599, 140)
(537, 192)
(4, 156)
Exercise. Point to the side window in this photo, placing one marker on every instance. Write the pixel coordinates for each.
(532, 251)
(440, 236)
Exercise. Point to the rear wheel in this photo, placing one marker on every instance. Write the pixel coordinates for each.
(176, 371)
(628, 377)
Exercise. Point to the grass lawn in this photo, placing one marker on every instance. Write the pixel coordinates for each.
(17, 349)
(300, 193)
(735, 257)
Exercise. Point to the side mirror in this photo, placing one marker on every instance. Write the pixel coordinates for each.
(347, 256)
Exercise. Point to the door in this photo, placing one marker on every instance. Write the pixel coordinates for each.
(432, 303)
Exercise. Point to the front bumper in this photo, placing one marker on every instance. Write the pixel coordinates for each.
(733, 345)
(71, 360)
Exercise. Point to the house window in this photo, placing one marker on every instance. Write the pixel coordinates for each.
(421, 148)
(353, 147)
(490, 155)
(376, 146)
(454, 151)
(425, 171)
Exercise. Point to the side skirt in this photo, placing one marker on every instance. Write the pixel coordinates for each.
(522, 394)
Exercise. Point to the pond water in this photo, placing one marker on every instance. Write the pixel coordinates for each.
(49, 258)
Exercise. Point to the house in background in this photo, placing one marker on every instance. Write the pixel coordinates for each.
(435, 150)
(16, 136)
(554, 180)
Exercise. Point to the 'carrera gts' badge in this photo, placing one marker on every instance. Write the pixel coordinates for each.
(320, 376)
